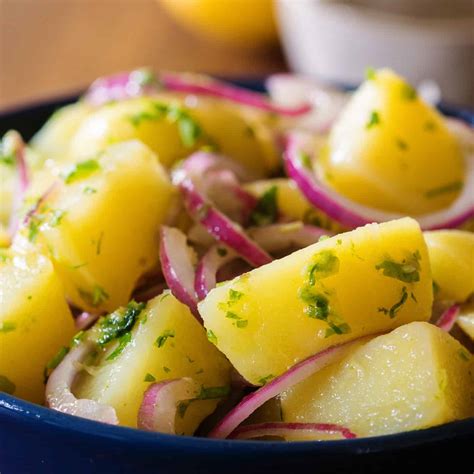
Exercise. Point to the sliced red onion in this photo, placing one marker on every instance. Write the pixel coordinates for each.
(178, 268)
(201, 85)
(293, 376)
(282, 429)
(351, 214)
(220, 226)
(278, 237)
(292, 90)
(448, 318)
(13, 143)
(60, 397)
(121, 86)
(160, 403)
(208, 266)
(85, 320)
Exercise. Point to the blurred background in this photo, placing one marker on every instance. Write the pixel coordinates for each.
(55, 47)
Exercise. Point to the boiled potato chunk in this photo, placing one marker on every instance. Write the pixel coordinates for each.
(166, 343)
(52, 141)
(452, 263)
(174, 127)
(372, 279)
(34, 321)
(291, 203)
(415, 377)
(100, 224)
(392, 151)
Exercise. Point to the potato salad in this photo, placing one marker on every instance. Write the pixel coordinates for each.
(184, 256)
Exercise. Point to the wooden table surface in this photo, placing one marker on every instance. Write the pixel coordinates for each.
(52, 47)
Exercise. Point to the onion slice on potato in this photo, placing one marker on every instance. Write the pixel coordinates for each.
(448, 318)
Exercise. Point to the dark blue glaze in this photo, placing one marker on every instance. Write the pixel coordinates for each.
(36, 440)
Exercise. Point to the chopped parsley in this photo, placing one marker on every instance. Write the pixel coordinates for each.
(305, 159)
(7, 159)
(122, 343)
(211, 336)
(408, 270)
(89, 190)
(7, 326)
(94, 298)
(392, 311)
(160, 341)
(34, 223)
(98, 246)
(181, 408)
(57, 216)
(78, 338)
(464, 355)
(166, 369)
(149, 378)
(249, 131)
(210, 393)
(374, 119)
(234, 295)
(266, 379)
(370, 73)
(6, 385)
(445, 189)
(408, 92)
(430, 126)
(221, 251)
(324, 264)
(401, 144)
(81, 170)
(436, 288)
(55, 361)
(318, 304)
(116, 324)
(266, 210)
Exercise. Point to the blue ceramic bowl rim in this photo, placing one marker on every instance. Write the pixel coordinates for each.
(32, 413)
(27, 412)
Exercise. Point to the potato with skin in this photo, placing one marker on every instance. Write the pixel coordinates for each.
(370, 280)
(34, 321)
(415, 377)
(391, 150)
(100, 223)
(166, 342)
(452, 263)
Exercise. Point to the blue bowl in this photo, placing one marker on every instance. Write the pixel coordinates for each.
(36, 440)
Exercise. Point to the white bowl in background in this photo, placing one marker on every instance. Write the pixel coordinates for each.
(336, 40)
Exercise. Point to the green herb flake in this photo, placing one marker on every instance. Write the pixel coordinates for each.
(445, 189)
(242, 323)
(337, 329)
(392, 311)
(57, 358)
(408, 92)
(211, 336)
(6, 385)
(249, 131)
(324, 264)
(464, 355)
(436, 288)
(189, 130)
(160, 341)
(76, 340)
(57, 216)
(200, 371)
(181, 408)
(374, 119)
(318, 304)
(166, 369)
(370, 73)
(81, 170)
(98, 247)
(89, 190)
(266, 379)
(305, 160)
(234, 296)
(99, 295)
(401, 144)
(7, 326)
(116, 324)
(122, 343)
(265, 211)
(149, 378)
(408, 270)
(430, 126)
(33, 227)
(210, 393)
(7, 159)
(221, 251)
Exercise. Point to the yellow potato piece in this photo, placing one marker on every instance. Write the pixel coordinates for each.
(34, 321)
(101, 224)
(415, 377)
(372, 279)
(229, 129)
(167, 343)
(291, 203)
(52, 141)
(452, 263)
(392, 151)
